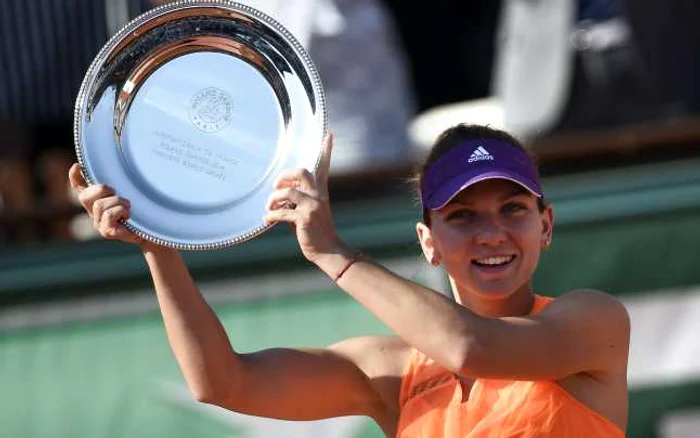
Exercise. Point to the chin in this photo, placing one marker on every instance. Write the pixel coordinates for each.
(494, 290)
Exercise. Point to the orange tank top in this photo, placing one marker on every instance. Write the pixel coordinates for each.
(432, 406)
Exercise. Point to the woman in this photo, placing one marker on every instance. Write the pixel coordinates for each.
(498, 361)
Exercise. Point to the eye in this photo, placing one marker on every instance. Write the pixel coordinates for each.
(461, 213)
(513, 207)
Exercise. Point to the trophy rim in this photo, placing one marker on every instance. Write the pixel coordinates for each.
(127, 30)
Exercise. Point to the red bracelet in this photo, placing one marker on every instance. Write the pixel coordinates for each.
(355, 258)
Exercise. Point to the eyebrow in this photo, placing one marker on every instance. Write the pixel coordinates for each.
(518, 191)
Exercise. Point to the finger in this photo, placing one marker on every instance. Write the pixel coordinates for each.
(100, 206)
(324, 164)
(282, 215)
(294, 178)
(91, 194)
(109, 221)
(286, 198)
(120, 232)
(76, 178)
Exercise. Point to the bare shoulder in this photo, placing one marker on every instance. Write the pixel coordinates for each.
(590, 302)
(383, 360)
(602, 320)
(604, 326)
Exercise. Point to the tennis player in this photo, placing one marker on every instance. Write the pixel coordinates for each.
(497, 361)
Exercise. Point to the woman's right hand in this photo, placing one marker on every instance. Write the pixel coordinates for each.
(104, 207)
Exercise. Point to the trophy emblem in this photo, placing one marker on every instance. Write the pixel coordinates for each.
(210, 109)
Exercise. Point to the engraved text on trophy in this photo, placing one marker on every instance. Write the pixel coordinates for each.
(194, 158)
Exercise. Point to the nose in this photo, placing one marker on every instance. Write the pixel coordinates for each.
(489, 232)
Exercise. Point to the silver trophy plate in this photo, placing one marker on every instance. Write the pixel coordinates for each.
(191, 111)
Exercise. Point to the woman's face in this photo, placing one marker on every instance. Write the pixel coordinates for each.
(488, 238)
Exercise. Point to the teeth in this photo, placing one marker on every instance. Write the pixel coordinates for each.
(494, 261)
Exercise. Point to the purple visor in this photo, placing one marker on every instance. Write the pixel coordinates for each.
(474, 161)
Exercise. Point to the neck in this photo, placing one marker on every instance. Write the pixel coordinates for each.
(519, 303)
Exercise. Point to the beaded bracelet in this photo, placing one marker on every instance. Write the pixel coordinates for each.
(355, 258)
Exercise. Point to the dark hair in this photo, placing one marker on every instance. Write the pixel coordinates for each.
(456, 136)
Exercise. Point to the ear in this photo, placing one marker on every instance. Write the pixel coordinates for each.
(547, 218)
(425, 237)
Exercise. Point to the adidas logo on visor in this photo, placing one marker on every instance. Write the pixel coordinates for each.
(480, 154)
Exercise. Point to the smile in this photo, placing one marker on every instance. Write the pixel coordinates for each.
(494, 261)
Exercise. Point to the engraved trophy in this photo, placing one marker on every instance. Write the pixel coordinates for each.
(190, 112)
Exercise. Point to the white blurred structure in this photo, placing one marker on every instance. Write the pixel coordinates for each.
(532, 74)
(425, 128)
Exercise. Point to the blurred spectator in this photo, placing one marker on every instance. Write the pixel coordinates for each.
(16, 179)
(45, 48)
(364, 73)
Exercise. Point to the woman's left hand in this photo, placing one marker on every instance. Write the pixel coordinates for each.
(301, 199)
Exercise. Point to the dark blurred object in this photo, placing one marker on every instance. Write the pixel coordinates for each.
(668, 36)
(610, 86)
(47, 47)
(450, 47)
